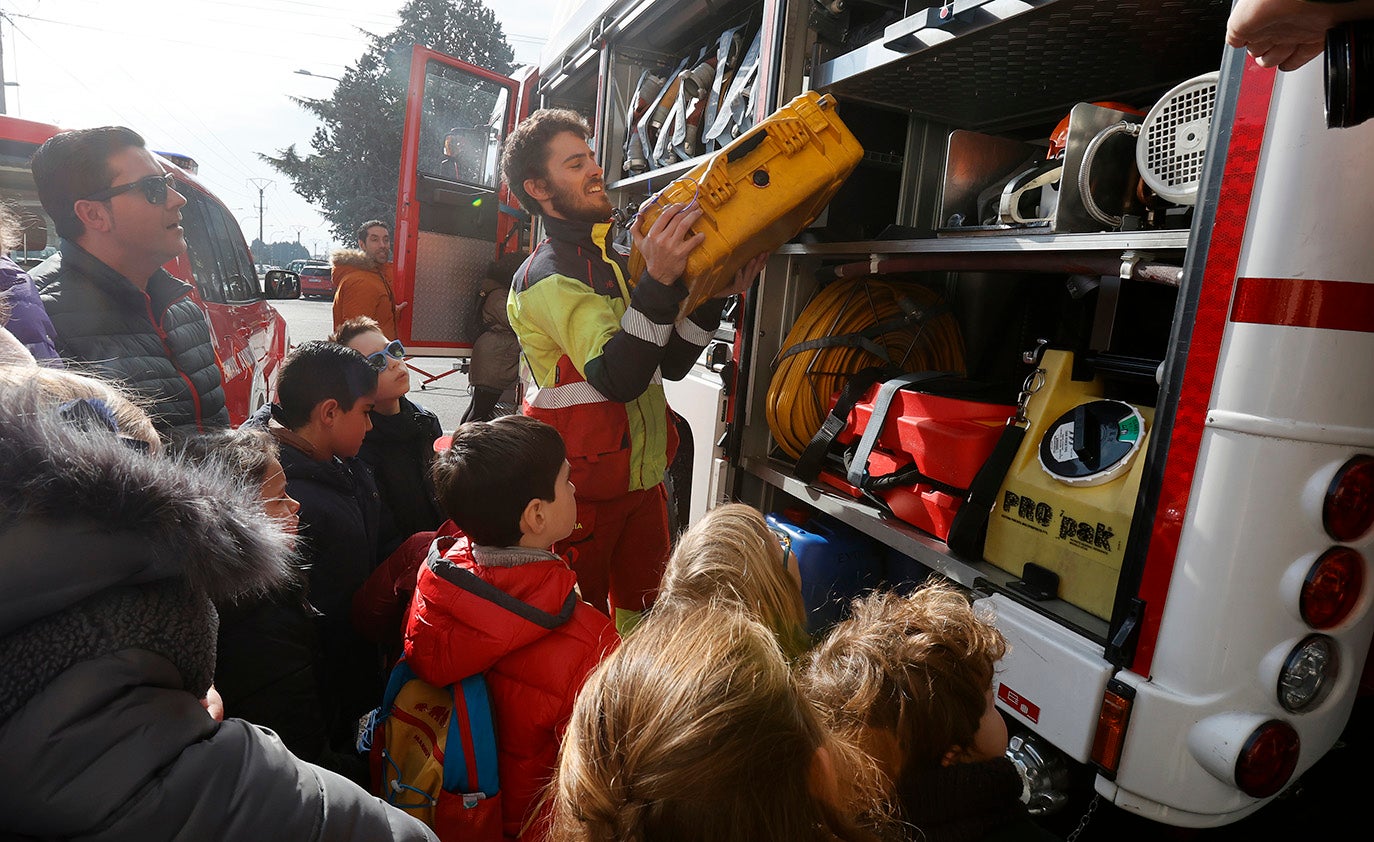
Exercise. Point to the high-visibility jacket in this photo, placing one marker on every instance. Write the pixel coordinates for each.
(596, 353)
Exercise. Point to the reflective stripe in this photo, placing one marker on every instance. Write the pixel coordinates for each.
(694, 334)
(638, 325)
(562, 397)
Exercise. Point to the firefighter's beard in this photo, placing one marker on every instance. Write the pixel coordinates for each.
(580, 206)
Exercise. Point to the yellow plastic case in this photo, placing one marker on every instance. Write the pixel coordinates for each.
(758, 192)
(1078, 532)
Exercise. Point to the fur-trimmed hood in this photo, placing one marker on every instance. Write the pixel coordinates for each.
(354, 258)
(81, 512)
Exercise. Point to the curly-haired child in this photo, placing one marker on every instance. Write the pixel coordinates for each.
(910, 678)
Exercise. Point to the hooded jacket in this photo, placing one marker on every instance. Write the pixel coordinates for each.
(28, 320)
(156, 342)
(513, 614)
(361, 288)
(109, 562)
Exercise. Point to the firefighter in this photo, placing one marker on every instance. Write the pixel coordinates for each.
(596, 353)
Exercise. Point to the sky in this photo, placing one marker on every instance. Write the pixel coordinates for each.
(211, 79)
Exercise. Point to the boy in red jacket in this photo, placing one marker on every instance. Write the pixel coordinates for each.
(495, 599)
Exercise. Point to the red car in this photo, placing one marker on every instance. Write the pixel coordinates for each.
(317, 281)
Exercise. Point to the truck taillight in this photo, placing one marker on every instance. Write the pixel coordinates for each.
(1308, 673)
(1332, 588)
(1348, 511)
(1111, 726)
(1268, 759)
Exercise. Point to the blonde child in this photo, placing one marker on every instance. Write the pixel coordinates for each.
(731, 556)
(694, 729)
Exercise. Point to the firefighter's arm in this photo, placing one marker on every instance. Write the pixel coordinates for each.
(1289, 33)
(692, 333)
(617, 356)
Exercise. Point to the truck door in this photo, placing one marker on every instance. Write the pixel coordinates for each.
(453, 218)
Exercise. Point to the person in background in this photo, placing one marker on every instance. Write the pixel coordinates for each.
(325, 395)
(495, 599)
(24, 316)
(400, 446)
(731, 556)
(694, 729)
(116, 312)
(1289, 33)
(597, 353)
(362, 279)
(110, 557)
(496, 349)
(910, 679)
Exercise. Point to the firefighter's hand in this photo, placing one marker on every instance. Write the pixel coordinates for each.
(745, 277)
(1287, 33)
(668, 242)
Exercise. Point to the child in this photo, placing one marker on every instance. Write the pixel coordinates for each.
(732, 555)
(400, 446)
(695, 729)
(267, 644)
(496, 600)
(911, 679)
(325, 393)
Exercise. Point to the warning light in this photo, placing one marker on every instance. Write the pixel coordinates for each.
(1111, 727)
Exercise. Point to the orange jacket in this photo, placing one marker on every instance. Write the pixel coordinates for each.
(361, 289)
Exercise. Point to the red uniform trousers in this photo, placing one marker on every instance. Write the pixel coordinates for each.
(621, 548)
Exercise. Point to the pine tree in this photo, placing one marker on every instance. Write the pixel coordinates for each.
(352, 172)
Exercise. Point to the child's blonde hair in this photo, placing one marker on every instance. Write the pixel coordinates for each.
(731, 556)
(59, 386)
(693, 729)
(917, 666)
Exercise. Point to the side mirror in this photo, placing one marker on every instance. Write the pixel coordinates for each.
(280, 283)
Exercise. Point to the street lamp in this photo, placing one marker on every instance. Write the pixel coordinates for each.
(304, 72)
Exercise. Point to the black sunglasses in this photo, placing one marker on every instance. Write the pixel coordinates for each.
(394, 350)
(154, 189)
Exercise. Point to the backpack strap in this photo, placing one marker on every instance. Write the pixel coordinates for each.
(470, 760)
(810, 462)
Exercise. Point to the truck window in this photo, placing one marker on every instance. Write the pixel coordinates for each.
(461, 127)
(241, 281)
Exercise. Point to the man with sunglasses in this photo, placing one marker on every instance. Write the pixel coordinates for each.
(117, 313)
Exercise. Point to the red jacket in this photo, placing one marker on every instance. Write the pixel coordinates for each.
(516, 617)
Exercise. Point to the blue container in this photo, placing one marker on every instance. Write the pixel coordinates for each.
(903, 573)
(837, 563)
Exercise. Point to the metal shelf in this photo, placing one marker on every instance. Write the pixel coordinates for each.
(1149, 241)
(1009, 63)
(928, 550)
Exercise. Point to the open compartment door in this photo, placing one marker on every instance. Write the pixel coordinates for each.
(452, 215)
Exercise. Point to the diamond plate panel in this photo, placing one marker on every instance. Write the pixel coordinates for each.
(1039, 63)
(448, 275)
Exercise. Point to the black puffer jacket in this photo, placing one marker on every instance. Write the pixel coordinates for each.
(109, 560)
(399, 449)
(157, 344)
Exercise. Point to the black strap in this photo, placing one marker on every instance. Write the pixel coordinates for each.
(967, 532)
(864, 338)
(858, 468)
(810, 462)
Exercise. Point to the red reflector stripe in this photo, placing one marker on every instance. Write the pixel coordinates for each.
(1218, 283)
(1303, 302)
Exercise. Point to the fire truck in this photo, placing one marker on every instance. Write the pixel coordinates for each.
(1161, 244)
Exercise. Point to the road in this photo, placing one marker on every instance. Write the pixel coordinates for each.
(446, 397)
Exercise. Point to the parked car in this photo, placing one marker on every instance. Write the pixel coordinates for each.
(297, 265)
(249, 335)
(317, 280)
